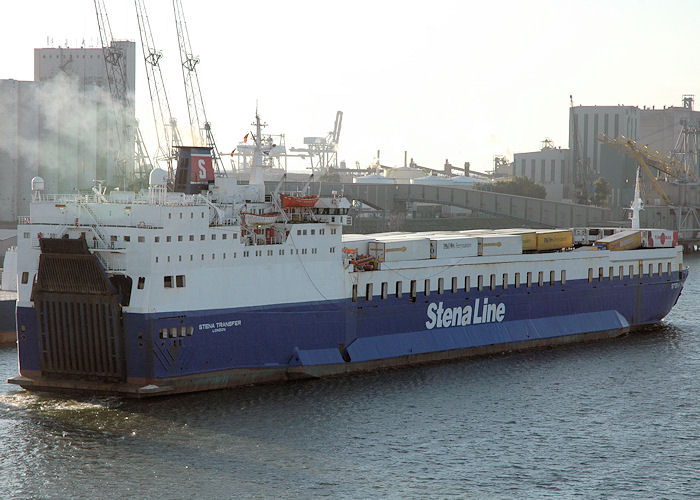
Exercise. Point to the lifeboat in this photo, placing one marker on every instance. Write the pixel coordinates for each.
(290, 201)
(251, 219)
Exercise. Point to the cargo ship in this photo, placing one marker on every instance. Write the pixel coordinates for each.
(178, 289)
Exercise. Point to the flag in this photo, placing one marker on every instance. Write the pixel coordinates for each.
(234, 150)
(245, 139)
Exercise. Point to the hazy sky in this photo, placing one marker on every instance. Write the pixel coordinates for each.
(442, 79)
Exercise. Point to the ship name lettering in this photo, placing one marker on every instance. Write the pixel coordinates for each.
(482, 312)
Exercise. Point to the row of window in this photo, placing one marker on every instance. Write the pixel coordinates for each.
(168, 282)
(170, 215)
(631, 271)
(369, 288)
(303, 232)
(174, 332)
(256, 253)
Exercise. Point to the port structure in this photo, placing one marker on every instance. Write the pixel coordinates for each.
(392, 198)
(199, 124)
(167, 133)
(323, 151)
(115, 67)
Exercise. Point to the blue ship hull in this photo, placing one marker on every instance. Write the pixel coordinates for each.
(198, 350)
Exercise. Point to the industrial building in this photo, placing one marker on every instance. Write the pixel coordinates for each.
(568, 174)
(550, 166)
(63, 126)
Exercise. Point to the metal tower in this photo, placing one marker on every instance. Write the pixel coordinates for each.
(166, 126)
(195, 103)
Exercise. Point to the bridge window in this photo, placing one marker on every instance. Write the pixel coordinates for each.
(168, 239)
(313, 231)
(191, 237)
(224, 236)
(141, 283)
(167, 281)
(202, 237)
(333, 231)
(441, 285)
(141, 239)
(156, 239)
(321, 231)
(269, 253)
(180, 281)
(213, 237)
(179, 237)
(398, 289)
(25, 277)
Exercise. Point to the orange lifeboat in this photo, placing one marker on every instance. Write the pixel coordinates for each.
(289, 201)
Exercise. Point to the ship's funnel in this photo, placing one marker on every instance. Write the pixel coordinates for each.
(194, 169)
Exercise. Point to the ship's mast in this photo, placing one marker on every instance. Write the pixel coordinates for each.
(637, 204)
(256, 171)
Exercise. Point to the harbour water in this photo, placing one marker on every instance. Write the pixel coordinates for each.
(609, 419)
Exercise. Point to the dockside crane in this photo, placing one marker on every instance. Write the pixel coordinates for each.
(646, 158)
(115, 66)
(195, 102)
(583, 182)
(166, 126)
(323, 151)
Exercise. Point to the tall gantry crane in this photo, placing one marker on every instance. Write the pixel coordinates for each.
(201, 128)
(323, 151)
(583, 177)
(125, 128)
(166, 126)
